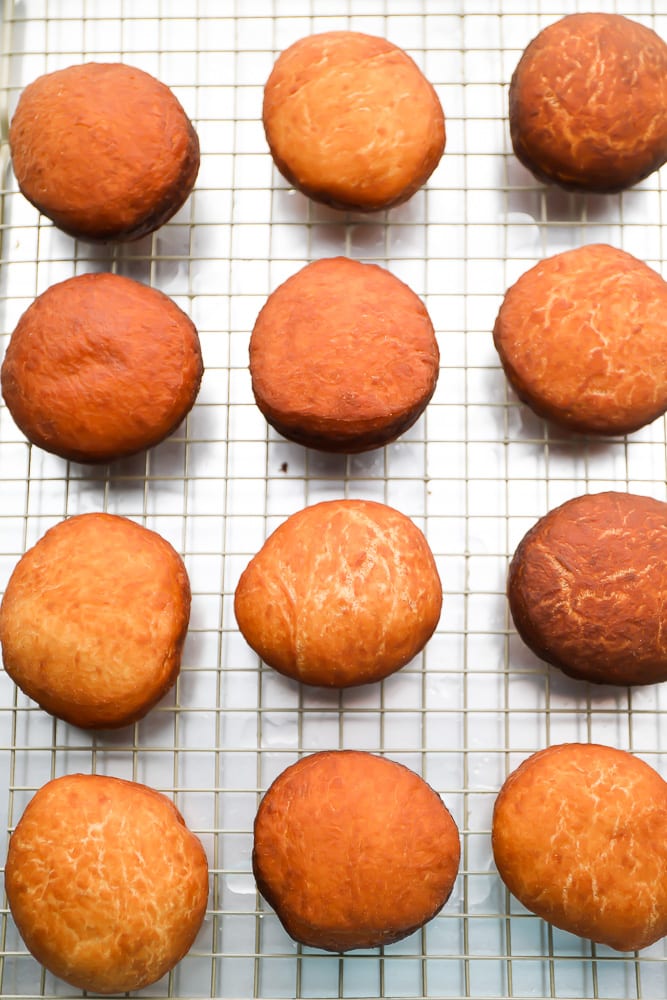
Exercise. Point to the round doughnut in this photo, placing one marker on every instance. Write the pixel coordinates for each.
(106, 884)
(353, 850)
(344, 592)
(582, 337)
(93, 620)
(579, 836)
(588, 592)
(343, 356)
(351, 121)
(100, 367)
(104, 150)
(588, 103)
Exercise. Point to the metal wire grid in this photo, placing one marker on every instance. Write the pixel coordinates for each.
(474, 473)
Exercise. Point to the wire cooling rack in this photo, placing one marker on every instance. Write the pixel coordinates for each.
(474, 473)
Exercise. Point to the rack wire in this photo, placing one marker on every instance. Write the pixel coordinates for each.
(475, 472)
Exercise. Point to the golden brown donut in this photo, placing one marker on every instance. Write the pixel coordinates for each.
(353, 850)
(104, 150)
(588, 592)
(351, 121)
(107, 885)
(582, 337)
(579, 836)
(343, 356)
(588, 103)
(344, 592)
(93, 620)
(100, 367)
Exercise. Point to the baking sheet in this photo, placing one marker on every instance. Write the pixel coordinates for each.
(474, 473)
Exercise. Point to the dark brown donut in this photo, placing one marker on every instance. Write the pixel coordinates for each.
(588, 103)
